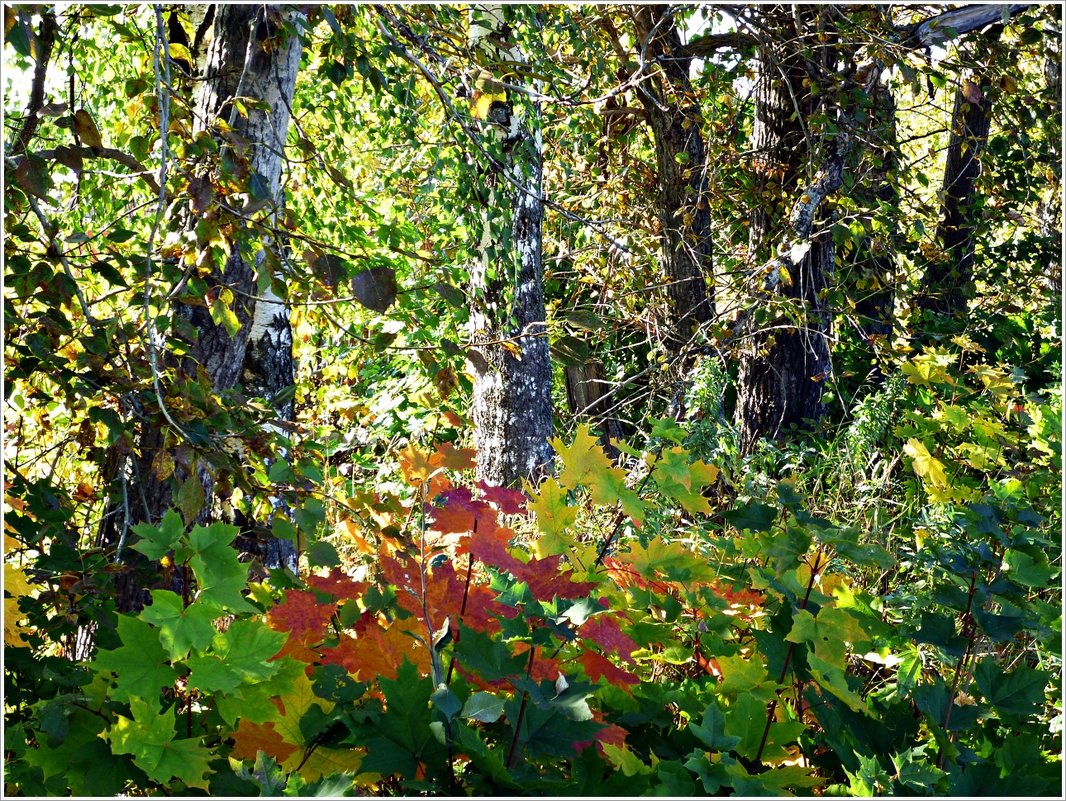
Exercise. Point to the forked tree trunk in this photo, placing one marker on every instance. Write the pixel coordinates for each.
(512, 391)
(785, 360)
(680, 156)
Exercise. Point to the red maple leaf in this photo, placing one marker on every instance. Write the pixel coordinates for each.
(490, 546)
(547, 580)
(596, 666)
(509, 501)
(302, 615)
(605, 632)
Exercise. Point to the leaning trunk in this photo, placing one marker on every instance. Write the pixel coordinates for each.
(512, 389)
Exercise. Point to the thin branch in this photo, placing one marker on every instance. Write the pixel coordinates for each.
(46, 38)
(162, 81)
(53, 250)
(125, 159)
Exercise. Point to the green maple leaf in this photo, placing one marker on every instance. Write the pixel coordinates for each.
(554, 517)
(711, 730)
(82, 760)
(140, 665)
(181, 628)
(684, 481)
(239, 654)
(403, 737)
(219, 573)
(585, 464)
(149, 739)
(1020, 692)
(828, 633)
(157, 541)
(608, 486)
(254, 702)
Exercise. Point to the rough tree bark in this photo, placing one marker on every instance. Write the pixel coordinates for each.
(948, 281)
(512, 407)
(785, 360)
(1051, 209)
(252, 56)
(674, 115)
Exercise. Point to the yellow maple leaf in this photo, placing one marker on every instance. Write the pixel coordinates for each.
(554, 517)
(17, 585)
(925, 464)
(581, 459)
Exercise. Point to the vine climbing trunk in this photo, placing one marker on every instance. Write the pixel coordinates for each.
(254, 55)
(674, 115)
(785, 359)
(512, 406)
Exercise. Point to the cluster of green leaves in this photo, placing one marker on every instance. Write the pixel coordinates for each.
(477, 660)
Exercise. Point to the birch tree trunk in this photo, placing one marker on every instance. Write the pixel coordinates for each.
(254, 54)
(512, 406)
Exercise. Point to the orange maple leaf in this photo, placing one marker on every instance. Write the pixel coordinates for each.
(301, 614)
(380, 651)
(456, 458)
(251, 738)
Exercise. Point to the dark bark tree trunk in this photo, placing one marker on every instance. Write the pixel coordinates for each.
(252, 56)
(1051, 209)
(874, 300)
(512, 406)
(588, 395)
(785, 360)
(948, 280)
(684, 211)
(270, 373)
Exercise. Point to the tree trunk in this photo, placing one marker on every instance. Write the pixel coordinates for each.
(270, 373)
(512, 391)
(785, 360)
(589, 397)
(684, 211)
(1050, 213)
(949, 280)
(252, 56)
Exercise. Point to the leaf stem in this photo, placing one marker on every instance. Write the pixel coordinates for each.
(815, 567)
(521, 711)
